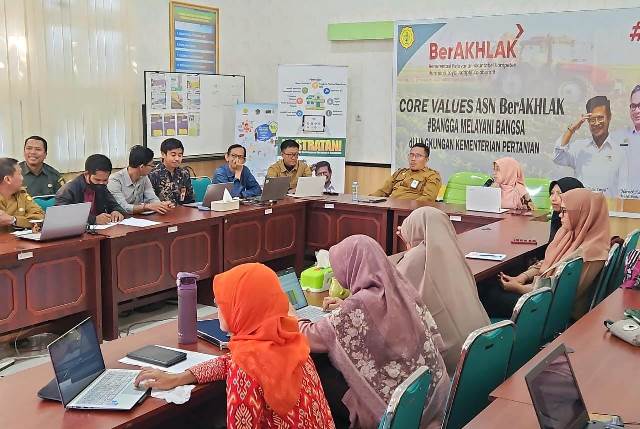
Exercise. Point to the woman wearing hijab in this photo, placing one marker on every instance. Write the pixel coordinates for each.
(556, 189)
(508, 175)
(584, 233)
(378, 336)
(271, 380)
(436, 268)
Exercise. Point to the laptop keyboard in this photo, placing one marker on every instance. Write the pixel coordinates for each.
(103, 393)
(310, 312)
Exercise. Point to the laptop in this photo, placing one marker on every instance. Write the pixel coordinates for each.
(62, 222)
(556, 397)
(291, 286)
(214, 192)
(481, 199)
(312, 186)
(80, 375)
(275, 188)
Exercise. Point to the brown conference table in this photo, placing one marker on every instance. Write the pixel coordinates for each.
(127, 266)
(605, 367)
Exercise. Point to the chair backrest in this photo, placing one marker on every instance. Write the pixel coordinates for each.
(529, 315)
(538, 188)
(564, 295)
(200, 187)
(456, 192)
(45, 201)
(482, 367)
(617, 276)
(601, 291)
(407, 402)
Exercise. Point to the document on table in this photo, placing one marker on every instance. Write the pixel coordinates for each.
(22, 232)
(193, 358)
(101, 227)
(486, 256)
(140, 223)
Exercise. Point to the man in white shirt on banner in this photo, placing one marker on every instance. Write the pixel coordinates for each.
(629, 141)
(596, 161)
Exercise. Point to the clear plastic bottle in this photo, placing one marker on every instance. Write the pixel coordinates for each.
(354, 191)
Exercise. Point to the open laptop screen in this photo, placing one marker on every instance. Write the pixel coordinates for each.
(76, 359)
(291, 286)
(555, 393)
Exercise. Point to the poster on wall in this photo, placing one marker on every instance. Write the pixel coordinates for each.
(194, 38)
(561, 98)
(312, 109)
(255, 129)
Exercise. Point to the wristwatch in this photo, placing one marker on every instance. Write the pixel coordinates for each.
(13, 221)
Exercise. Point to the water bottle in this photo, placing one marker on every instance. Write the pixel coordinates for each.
(354, 191)
(187, 306)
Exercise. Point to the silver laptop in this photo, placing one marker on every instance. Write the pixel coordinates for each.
(309, 187)
(484, 199)
(62, 222)
(83, 382)
(214, 192)
(291, 286)
(275, 188)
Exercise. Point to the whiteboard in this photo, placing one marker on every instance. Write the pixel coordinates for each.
(197, 109)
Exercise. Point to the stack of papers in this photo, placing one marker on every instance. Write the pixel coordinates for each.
(486, 256)
(193, 358)
(132, 221)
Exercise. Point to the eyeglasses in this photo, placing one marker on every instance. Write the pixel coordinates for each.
(291, 154)
(597, 120)
(415, 156)
(634, 106)
(239, 158)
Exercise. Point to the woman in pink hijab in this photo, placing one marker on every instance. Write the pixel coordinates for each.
(379, 335)
(584, 233)
(508, 175)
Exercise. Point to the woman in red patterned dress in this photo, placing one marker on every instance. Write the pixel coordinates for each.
(271, 380)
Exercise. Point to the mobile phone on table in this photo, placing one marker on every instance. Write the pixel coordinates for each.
(633, 313)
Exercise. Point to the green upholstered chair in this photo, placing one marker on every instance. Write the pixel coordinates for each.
(407, 402)
(200, 187)
(601, 290)
(45, 201)
(482, 367)
(456, 192)
(529, 315)
(564, 294)
(617, 277)
(538, 188)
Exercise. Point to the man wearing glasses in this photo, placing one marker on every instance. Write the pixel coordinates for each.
(289, 165)
(595, 161)
(244, 184)
(418, 182)
(629, 140)
(132, 188)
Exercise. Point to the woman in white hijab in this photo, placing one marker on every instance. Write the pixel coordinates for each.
(435, 266)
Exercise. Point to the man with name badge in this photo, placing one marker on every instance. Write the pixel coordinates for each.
(596, 161)
(17, 207)
(289, 165)
(39, 177)
(418, 182)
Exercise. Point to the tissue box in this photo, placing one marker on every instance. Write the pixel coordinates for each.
(316, 279)
(223, 206)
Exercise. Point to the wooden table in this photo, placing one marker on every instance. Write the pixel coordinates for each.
(18, 391)
(607, 368)
(42, 282)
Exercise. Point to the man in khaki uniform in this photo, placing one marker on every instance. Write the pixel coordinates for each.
(17, 207)
(418, 182)
(289, 165)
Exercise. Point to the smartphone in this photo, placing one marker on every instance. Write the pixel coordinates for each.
(633, 313)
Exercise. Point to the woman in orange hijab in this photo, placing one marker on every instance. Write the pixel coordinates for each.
(271, 380)
(584, 233)
(508, 175)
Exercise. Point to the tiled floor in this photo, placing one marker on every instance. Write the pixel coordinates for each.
(132, 324)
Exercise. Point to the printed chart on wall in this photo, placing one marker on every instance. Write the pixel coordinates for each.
(556, 91)
(194, 38)
(197, 109)
(312, 109)
(256, 128)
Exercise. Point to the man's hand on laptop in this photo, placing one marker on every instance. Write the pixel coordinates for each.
(157, 379)
(161, 207)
